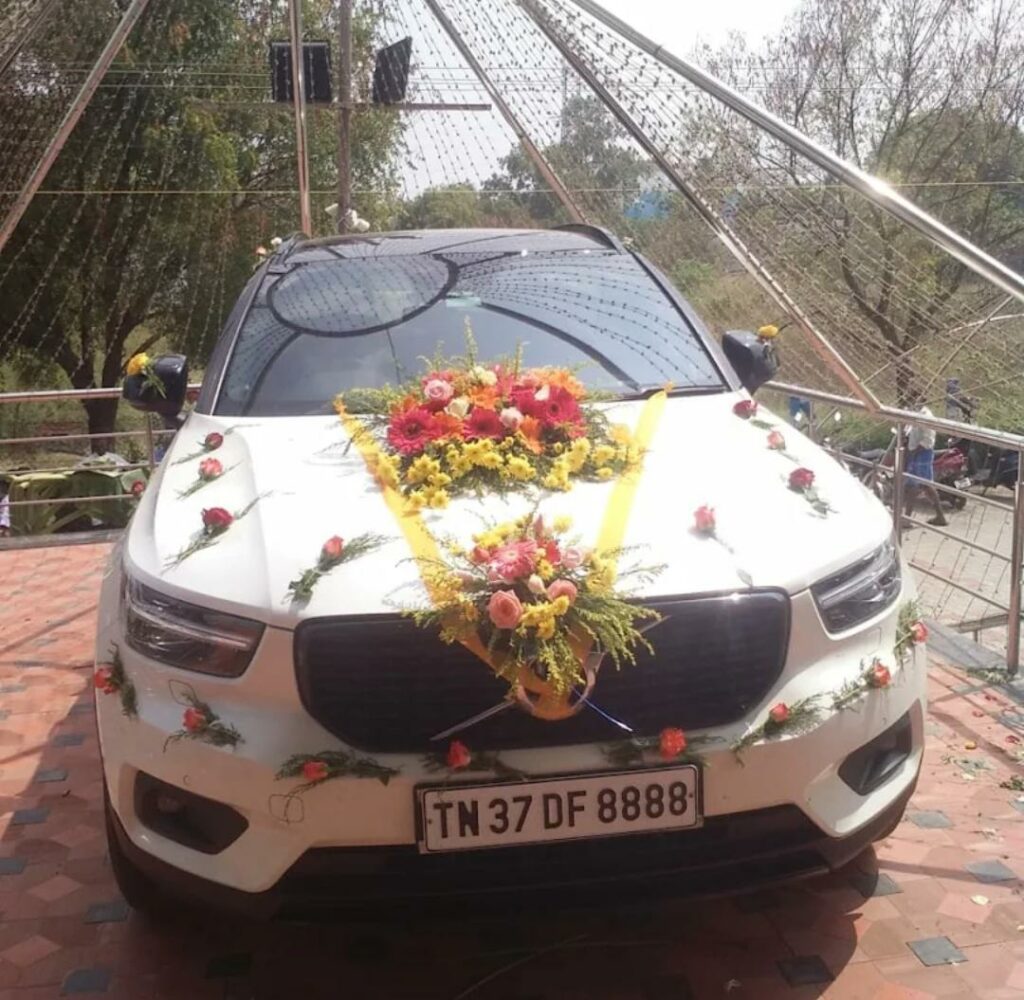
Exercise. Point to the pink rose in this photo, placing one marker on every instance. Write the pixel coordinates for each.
(504, 609)
(511, 418)
(573, 557)
(438, 393)
(562, 588)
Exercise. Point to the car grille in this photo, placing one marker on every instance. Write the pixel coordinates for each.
(380, 683)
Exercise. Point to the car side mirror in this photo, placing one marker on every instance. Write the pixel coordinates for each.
(161, 389)
(753, 358)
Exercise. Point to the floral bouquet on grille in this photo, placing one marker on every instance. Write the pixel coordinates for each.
(541, 608)
(467, 427)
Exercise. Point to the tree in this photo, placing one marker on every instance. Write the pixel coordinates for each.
(93, 278)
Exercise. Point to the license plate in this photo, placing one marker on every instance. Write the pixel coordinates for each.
(468, 817)
(963, 484)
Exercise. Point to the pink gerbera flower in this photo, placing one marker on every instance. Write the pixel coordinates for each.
(484, 423)
(410, 431)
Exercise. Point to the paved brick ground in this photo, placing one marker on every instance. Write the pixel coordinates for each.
(944, 889)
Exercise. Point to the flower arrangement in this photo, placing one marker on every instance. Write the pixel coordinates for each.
(200, 722)
(535, 599)
(782, 718)
(216, 521)
(142, 365)
(317, 768)
(467, 427)
(458, 757)
(334, 552)
(111, 678)
(210, 469)
(211, 442)
(874, 677)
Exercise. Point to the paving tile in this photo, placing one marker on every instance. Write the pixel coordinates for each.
(991, 870)
(11, 866)
(930, 819)
(86, 981)
(936, 951)
(116, 911)
(29, 951)
(49, 774)
(68, 740)
(805, 970)
(29, 817)
(55, 888)
(870, 884)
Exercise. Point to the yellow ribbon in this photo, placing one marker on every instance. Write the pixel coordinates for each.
(424, 547)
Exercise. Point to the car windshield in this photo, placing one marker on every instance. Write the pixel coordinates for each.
(329, 325)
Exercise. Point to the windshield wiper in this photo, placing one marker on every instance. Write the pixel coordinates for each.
(677, 390)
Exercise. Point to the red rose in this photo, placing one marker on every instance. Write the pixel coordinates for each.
(484, 423)
(458, 755)
(480, 555)
(314, 770)
(104, 681)
(333, 548)
(779, 713)
(776, 441)
(801, 479)
(552, 552)
(217, 519)
(524, 399)
(918, 632)
(879, 676)
(194, 720)
(138, 488)
(671, 743)
(411, 430)
(213, 441)
(704, 520)
(210, 468)
(745, 408)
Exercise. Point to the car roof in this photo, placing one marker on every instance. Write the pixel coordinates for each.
(573, 238)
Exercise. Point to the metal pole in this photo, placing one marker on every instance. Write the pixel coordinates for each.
(529, 147)
(874, 189)
(1016, 558)
(299, 104)
(150, 447)
(70, 119)
(717, 224)
(345, 116)
(41, 15)
(899, 465)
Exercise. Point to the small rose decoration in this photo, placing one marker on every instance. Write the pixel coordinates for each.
(504, 609)
(671, 743)
(779, 713)
(333, 552)
(332, 549)
(458, 755)
(213, 441)
(879, 675)
(573, 557)
(563, 588)
(209, 469)
(438, 393)
(776, 441)
(745, 409)
(704, 520)
(194, 720)
(103, 680)
(918, 632)
(217, 519)
(314, 771)
(801, 479)
(138, 488)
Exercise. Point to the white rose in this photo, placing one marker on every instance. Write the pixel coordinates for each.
(536, 585)
(511, 418)
(484, 375)
(458, 407)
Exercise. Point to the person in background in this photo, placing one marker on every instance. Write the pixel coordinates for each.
(921, 462)
(5, 509)
(799, 410)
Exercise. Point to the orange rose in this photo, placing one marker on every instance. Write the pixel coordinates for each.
(458, 755)
(671, 743)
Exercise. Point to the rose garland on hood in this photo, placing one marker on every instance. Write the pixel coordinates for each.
(465, 427)
(535, 599)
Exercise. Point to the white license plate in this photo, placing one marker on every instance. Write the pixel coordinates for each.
(466, 817)
(963, 484)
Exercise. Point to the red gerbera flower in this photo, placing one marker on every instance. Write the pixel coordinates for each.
(411, 430)
(559, 408)
(484, 423)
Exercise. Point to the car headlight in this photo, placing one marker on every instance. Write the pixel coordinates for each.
(860, 591)
(186, 635)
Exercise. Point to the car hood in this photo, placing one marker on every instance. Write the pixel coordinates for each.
(309, 484)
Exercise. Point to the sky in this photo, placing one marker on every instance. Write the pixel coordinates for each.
(679, 24)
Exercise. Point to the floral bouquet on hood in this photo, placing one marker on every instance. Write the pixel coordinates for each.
(467, 427)
(536, 605)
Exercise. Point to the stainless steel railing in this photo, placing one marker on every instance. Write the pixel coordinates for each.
(899, 419)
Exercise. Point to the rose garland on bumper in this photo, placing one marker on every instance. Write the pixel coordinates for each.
(458, 757)
(200, 722)
(111, 678)
(334, 552)
(535, 600)
(317, 768)
(466, 427)
(671, 744)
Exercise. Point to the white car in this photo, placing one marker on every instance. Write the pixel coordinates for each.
(789, 653)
